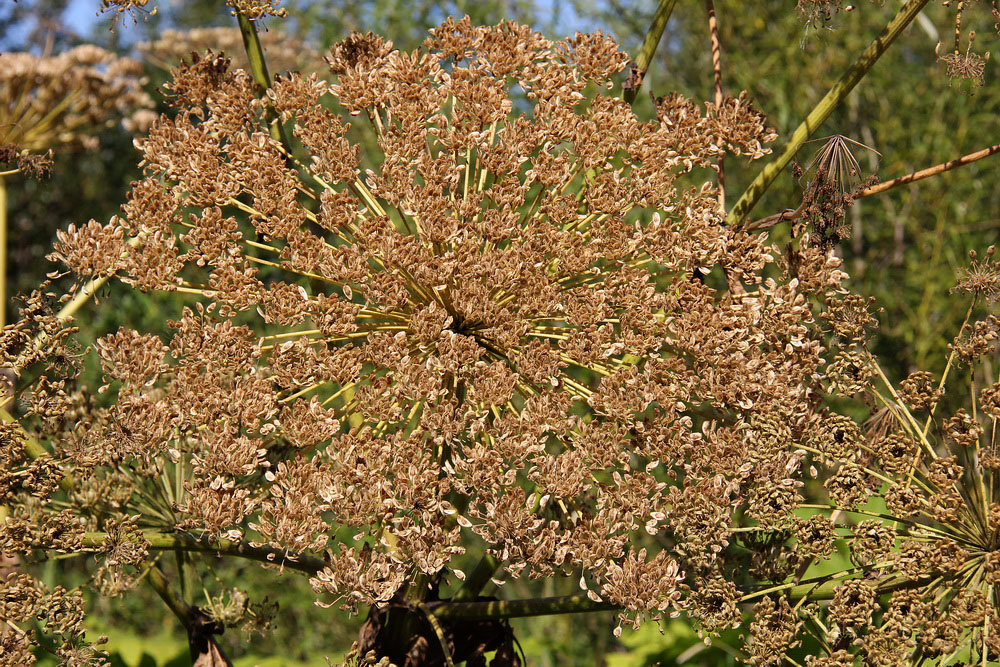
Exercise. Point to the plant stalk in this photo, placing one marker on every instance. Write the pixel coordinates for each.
(258, 68)
(494, 609)
(713, 30)
(204, 649)
(477, 579)
(638, 69)
(3, 251)
(824, 108)
(192, 543)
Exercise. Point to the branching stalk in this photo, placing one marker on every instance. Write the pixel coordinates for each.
(159, 541)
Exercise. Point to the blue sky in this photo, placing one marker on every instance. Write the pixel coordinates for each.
(82, 15)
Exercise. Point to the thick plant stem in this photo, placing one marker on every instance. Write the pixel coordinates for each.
(494, 609)
(824, 108)
(191, 543)
(639, 68)
(258, 68)
(199, 627)
(173, 601)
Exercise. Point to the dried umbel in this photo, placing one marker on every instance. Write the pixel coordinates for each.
(515, 328)
(49, 101)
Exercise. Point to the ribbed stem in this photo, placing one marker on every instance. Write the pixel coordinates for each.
(477, 579)
(258, 68)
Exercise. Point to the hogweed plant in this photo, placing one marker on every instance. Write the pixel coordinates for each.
(519, 345)
(516, 331)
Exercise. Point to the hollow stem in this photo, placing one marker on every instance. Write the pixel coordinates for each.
(477, 579)
(258, 68)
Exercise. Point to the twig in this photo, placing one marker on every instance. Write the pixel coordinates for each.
(824, 108)
(930, 171)
(637, 70)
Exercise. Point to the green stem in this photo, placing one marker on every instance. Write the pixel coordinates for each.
(192, 543)
(173, 601)
(648, 49)
(824, 108)
(258, 68)
(494, 609)
(477, 579)
(204, 649)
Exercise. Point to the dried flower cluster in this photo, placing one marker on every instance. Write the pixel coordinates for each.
(506, 330)
(516, 330)
(19, 159)
(51, 101)
(822, 12)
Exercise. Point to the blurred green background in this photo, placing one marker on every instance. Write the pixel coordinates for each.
(905, 247)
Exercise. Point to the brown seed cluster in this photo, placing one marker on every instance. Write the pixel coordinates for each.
(502, 330)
